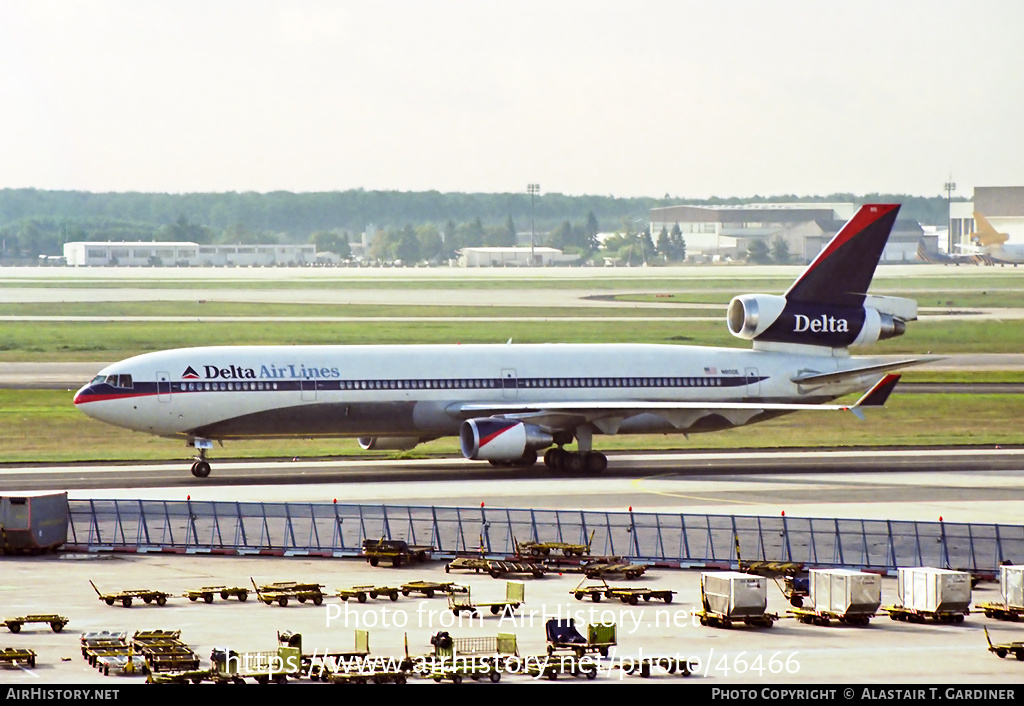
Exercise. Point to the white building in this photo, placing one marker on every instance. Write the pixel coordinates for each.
(719, 232)
(181, 254)
(514, 257)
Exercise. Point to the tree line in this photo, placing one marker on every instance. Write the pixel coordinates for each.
(409, 226)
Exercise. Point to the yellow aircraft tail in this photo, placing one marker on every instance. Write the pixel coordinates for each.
(986, 234)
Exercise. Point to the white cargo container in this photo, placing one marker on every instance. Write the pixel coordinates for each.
(1011, 586)
(844, 592)
(733, 595)
(931, 590)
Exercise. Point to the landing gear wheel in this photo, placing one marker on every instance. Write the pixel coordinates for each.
(201, 469)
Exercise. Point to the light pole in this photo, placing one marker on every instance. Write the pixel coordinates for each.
(950, 187)
(532, 190)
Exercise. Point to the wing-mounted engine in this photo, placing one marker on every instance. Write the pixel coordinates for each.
(388, 443)
(773, 318)
(495, 439)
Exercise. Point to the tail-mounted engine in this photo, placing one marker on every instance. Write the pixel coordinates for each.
(766, 317)
(493, 439)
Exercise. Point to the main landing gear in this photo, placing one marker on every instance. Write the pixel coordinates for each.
(585, 460)
(558, 459)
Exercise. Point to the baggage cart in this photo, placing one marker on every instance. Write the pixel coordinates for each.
(277, 666)
(553, 666)
(455, 659)
(926, 593)
(599, 569)
(729, 597)
(282, 591)
(56, 622)
(125, 597)
(321, 665)
(543, 549)
(562, 634)
(1011, 590)
(16, 657)
(642, 666)
(396, 551)
(429, 588)
(496, 569)
(848, 597)
(361, 593)
(207, 593)
(515, 592)
(1005, 648)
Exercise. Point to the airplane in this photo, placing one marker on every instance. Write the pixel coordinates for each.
(992, 244)
(506, 403)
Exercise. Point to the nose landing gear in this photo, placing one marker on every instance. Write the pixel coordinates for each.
(201, 467)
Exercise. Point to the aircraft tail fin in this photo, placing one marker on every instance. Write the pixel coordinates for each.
(986, 234)
(825, 306)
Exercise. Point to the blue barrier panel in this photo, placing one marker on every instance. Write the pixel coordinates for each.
(333, 529)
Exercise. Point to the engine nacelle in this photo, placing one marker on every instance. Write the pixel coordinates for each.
(766, 317)
(388, 443)
(494, 439)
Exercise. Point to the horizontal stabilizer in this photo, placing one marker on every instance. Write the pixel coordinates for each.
(842, 375)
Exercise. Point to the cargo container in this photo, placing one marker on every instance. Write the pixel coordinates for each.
(845, 592)
(33, 523)
(1011, 590)
(729, 596)
(928, 593)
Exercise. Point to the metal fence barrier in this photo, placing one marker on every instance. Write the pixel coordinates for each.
(338, 530)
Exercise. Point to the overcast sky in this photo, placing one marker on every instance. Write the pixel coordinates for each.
(625, 97)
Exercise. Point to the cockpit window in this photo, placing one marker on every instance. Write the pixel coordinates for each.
(123, 381)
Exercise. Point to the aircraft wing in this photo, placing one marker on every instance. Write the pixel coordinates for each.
(608, 416)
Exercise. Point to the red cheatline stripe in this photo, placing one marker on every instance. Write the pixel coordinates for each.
(491, 437)
(83, 399)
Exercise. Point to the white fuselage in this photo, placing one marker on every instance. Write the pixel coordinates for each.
(247, 392)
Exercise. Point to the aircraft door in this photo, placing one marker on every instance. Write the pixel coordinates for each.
(308, 387)
(509, 384)
(163, 387)
(753, 382)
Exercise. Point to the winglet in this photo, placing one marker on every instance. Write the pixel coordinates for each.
(876, 396)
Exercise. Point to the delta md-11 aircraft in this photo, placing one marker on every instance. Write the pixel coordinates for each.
(508, 402)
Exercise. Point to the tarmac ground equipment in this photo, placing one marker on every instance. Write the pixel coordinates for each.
(275, 666)
(515, 593)
(1006, 648)
(456, 658)
(543, 549)
(429, 588)
(926, 593)
(600, 568)
(642, 666)
(282, 591)
(848, 597)
(561, 634)
(729, 597)
(553, 666)
(125, 597)
(495, 568)
(361, 593)
(17, 656)
(1011, 590)
(396, 551)
(164, 651)
(56, 622)
(322, 665)
(207, 593)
